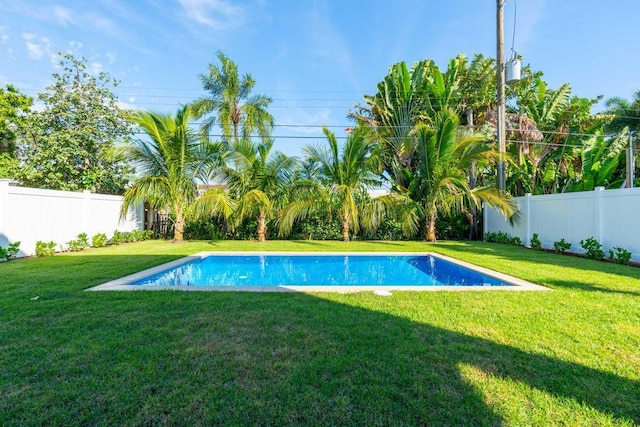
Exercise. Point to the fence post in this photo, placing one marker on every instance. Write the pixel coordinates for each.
(4, 206)
(86, 209)
(485, 219)
(527, 219)
(599, 191)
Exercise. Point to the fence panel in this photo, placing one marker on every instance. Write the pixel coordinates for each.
(31, 214)
(606, 215)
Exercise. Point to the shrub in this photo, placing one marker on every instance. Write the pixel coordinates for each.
(136, 235)
(593, 248)
(78, 244)
(45, 248)
(83, 240)
(74, 246)
(208, 229)
(535, 242)
(561, 246)
(619, 255)
(502, 237)
(117, 238)
(99, 240)
(10, 252)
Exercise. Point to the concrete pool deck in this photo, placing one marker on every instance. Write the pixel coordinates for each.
(124, 283)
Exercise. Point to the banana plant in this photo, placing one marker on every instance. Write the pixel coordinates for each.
(600, 158)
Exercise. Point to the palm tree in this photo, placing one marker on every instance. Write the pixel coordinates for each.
(345, 175)
(439, 183)
(238, 113)
(170, 164)
(258, 181)
(625, 113)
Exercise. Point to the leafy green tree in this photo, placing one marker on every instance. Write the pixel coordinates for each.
(599, 160)
(238, 113)
(13, 108)
(405, 98)
(345, 176)
(66, 146)
(170, 164)
(546, 152)
(258, 181)
(439, 184)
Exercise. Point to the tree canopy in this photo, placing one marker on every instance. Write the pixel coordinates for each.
(66, 146)
(14, 107)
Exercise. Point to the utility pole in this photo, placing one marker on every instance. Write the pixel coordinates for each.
(501, 100)
(473, 224)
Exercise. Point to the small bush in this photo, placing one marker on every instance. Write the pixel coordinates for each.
(502, 237)
(561, 246)
(99, 240)
(535, 242)
(117, 238)
(619, 255)
(45, 248)
(593, 248)
(83, 240)
(78, 244)
(74, 246)
(10, 252)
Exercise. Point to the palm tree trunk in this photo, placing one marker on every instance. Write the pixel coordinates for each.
(178, 227)
(262, 228)
(345, 230)
(430, 229)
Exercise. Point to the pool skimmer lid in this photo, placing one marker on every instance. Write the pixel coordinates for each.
(383, 293)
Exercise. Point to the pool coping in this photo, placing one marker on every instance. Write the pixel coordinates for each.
(124, 283)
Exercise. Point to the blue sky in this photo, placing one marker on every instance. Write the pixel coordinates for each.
(315, 58)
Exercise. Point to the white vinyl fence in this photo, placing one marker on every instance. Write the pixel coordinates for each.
(31, 214)
(609, 216)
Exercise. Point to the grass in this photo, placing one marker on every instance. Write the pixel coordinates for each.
(568, 357)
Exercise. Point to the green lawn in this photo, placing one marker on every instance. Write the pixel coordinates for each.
(568, 357)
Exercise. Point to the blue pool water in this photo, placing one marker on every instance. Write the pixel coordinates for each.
(319, 270)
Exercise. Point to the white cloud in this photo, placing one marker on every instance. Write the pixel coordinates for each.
(62, 15)
(3, 36)
(217, 14)
(29, 36)
(101, 23)
(95, 67)
(35, 51)
(75, 45)
(111, 57)
(37, 47)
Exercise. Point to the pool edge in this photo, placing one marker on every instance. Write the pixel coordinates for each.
(124, 283)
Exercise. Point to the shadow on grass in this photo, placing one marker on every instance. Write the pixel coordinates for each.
(245, 358)
(541, 258)
(588, 287)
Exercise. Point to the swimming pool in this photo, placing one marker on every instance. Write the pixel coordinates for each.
(315, 272)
